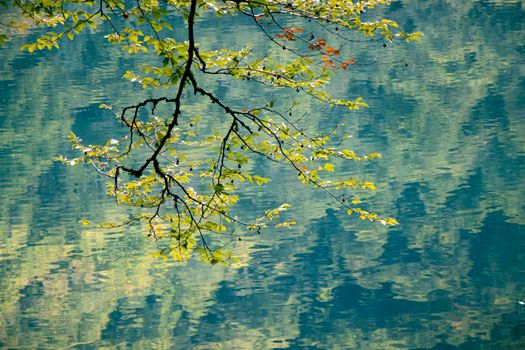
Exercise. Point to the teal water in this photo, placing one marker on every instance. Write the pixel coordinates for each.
(447, 116)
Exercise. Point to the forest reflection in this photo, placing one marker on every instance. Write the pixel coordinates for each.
(449, 126)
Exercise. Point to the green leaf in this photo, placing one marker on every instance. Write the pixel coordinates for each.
(219, 188)
(3, 38)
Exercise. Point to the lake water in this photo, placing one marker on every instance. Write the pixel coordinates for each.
(447, 114)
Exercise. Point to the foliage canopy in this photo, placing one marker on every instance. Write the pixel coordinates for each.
(187, 199)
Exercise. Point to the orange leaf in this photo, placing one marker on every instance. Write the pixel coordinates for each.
(294, 30)
(287, 36)
(321, 42)
(331, 51)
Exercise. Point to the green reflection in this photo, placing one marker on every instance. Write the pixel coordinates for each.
(451, 132)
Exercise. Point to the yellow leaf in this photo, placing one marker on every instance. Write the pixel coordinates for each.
(329, 167)
(369, 185)
(391, 222)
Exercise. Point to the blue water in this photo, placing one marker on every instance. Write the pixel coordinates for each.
(447, 116)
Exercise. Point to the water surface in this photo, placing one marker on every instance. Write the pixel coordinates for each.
(447, 116)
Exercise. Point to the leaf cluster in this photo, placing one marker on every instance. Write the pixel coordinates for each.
(186, 199)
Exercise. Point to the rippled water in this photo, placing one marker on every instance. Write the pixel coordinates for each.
(447, 115)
